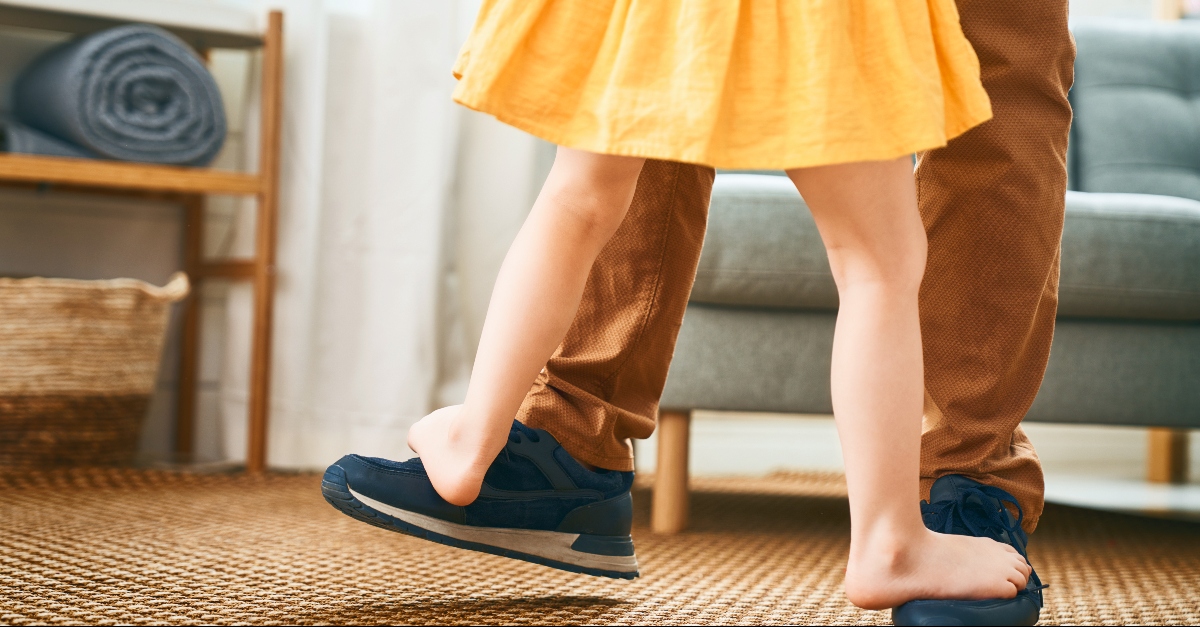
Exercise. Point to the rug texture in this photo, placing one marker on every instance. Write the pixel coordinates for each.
(154, 547)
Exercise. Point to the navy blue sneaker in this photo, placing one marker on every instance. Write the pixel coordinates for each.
(537, 504)
(966, 507)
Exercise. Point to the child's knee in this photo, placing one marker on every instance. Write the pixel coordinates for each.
(592, 203)
(898, 268)
(593, 214)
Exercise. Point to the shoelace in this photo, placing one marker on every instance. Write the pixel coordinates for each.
(978, 518)
(514, 436)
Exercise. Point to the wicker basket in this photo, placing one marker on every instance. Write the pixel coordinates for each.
(78, 362)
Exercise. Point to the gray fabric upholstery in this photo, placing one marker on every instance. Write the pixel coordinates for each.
(759, 331)
(762, 248)
(1137, 111)
(1124, 255)
(752, 360)
(1131, 256)
(1100, 371)
(1125, 373)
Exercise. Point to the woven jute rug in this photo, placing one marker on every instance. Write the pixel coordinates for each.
(152, 547)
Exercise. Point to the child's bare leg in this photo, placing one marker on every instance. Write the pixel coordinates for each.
(536, 295)
(867, 215)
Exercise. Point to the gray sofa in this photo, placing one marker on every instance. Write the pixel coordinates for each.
(759, 328)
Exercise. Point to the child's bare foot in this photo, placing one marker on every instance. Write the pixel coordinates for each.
(454, 458)
(891, 569)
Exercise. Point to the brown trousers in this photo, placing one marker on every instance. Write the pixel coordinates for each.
(992, 204)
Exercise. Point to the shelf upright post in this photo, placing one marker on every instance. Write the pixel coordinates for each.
(264, 263)
(189, 353)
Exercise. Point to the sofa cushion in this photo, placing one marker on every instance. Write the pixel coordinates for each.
(777, 360)
(762, 248)
(1137, 107)
(1130, 256)
(1124, 255)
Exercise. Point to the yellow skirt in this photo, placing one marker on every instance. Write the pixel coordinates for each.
(740, 84)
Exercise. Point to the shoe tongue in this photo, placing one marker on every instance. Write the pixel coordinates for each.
(519, 429)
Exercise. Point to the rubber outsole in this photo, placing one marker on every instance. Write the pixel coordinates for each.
(1021, 610)
(337, 493)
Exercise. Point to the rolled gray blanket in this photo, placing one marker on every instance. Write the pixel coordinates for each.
(16, 137)
(134, 93)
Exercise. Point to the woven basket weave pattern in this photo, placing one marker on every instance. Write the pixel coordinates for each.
(78, 362)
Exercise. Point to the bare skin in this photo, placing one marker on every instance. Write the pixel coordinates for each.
(537, 293)
(867, 215)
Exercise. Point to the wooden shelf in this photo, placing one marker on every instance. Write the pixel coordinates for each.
(119, 175)
(202, 25)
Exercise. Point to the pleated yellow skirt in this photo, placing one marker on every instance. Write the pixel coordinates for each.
(740, 84)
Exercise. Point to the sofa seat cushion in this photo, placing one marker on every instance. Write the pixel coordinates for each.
(762, 248)
(1131, 256)
(1128, 256)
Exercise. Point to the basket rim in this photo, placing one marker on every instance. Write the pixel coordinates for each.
(175, 289)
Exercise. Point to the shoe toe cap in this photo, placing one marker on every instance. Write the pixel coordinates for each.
(403, 485)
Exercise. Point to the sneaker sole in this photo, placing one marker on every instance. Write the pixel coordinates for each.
(1021, 610)
(547, 548)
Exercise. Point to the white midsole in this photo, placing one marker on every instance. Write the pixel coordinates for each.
(554, 545)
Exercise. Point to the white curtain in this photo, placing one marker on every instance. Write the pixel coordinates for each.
(397, 207)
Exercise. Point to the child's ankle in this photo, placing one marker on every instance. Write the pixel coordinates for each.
(886, 541)
(473, 440)
(881, 560)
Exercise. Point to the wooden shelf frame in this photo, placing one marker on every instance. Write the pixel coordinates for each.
(125, 176)
(188, 187)
(63, 16)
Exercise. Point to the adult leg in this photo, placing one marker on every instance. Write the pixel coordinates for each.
(992, 205)
(601, 387)
(537, 293)
(867, 216)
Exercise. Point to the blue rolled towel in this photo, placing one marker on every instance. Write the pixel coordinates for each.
(16, 137)
(133, 93)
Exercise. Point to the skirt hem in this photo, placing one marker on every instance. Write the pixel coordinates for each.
(863, 151)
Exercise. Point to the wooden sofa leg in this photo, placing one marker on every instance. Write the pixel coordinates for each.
(669, 509)
(1167, 459)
